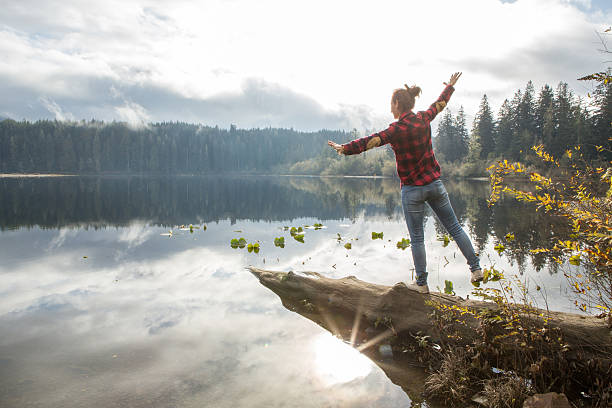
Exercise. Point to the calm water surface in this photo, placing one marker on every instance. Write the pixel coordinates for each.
(101, 306)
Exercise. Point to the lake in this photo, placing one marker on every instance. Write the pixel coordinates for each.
(109, 298)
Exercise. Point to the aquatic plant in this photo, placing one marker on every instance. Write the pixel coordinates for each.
(403, 244)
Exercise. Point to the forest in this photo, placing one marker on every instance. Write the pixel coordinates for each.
(556, 119)
(167, 148)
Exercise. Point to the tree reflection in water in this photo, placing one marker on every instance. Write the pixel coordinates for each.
(98, 202)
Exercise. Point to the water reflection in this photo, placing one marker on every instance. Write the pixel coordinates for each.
(96, 202)
(338, 362)
(97, 308)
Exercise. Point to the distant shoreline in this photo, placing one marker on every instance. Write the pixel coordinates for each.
(29, 175)
(232, 174)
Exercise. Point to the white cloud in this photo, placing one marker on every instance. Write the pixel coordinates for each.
(133, 114)
(55, 109)
(343, 57)
(61, 237)
(583, 3)
(136, 234)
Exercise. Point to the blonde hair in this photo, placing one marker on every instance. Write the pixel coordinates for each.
(405, 97)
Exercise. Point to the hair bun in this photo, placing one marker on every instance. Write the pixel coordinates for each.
(413, 90)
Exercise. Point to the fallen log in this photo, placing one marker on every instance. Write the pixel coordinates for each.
(341, 305)
(370, 315)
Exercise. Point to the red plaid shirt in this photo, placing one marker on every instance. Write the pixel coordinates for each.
(410, 138)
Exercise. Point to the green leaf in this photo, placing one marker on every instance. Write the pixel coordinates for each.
(377, 235)
(448, 287)
(253, 247)
(575, 260)
(318, 226)
(279, 242)
(491, 275)
(445, 240)
(238, 243)
(403, 244)
(299, 237)
(348, 245)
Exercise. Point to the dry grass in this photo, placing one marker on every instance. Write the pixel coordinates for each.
(506, 392)
(453, 382)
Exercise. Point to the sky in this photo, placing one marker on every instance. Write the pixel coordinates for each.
(281, 63)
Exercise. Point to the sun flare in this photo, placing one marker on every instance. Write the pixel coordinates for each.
(337, 362)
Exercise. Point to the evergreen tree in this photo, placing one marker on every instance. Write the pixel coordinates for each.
(452, 137)
(525, 132)
(461, 140)
(564, 121)
(504, 129)
(445, 137)
(483, 129)
(515, 145)
(543, 108)
(602, 118)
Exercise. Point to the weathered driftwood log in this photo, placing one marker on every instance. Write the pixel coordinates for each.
(388, 325)
(351, 308)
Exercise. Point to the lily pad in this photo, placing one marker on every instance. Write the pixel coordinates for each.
(238, 243)
(403, 244)
(279, 242)
(448, 287)
(253, 247)
(445, 240)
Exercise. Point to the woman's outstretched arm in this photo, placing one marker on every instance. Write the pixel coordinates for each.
(365, 143)
(337, 147)
(442, 100)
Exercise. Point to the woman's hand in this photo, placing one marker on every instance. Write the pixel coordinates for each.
(453, 79)
(338, 148)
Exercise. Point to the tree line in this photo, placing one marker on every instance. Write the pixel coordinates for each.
(556, 119)
(169, 148)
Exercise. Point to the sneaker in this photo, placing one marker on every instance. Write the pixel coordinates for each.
(418, 288)
(476, 276)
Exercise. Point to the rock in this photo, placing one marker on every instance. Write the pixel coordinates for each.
(549, 400)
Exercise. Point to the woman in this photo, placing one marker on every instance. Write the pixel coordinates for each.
(419, 172)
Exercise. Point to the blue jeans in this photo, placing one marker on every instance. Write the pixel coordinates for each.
(413, 203)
